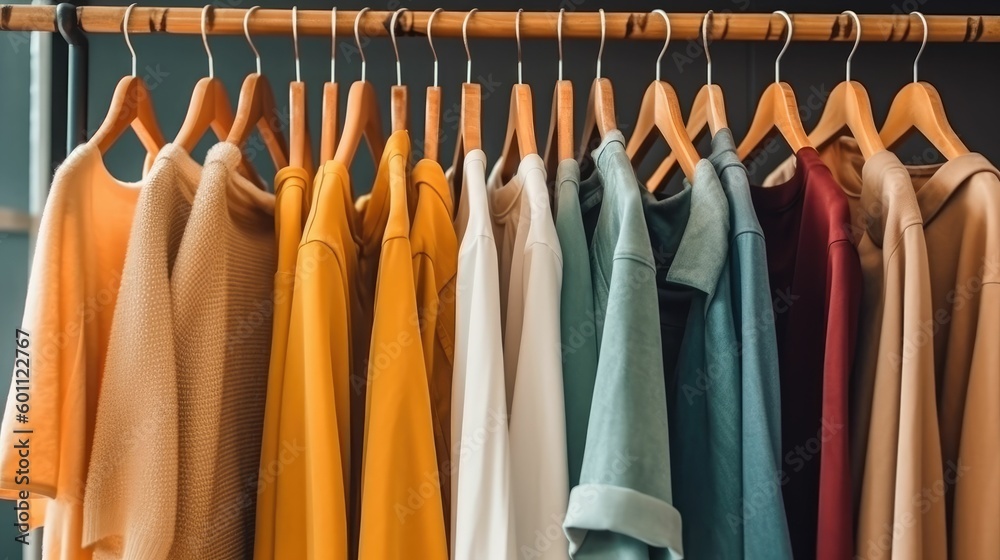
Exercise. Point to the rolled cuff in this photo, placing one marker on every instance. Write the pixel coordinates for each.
(601, 507)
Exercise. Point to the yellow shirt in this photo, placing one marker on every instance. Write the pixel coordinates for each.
(311, 514)
(435, 265)
(291, 188)
(401, 511)
(75, 277)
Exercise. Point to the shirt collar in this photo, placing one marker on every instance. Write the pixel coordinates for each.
(704, 246)
(944, 180)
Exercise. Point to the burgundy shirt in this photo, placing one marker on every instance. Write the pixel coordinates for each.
(815, 278)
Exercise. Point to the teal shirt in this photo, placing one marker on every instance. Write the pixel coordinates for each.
(701, 365)
(578, 320)
(622, 507)
(762, 522)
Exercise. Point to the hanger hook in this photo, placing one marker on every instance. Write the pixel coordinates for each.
(128, 42)
(600, 51)
(923, 44)
(465, 39)
(666, 41)
(333, 44)
(704, 43)
(857, 40)
(788, 40)
(295, 42)
(246, 32)
(357, 40)
(392, 35)
(559, 38)
(517, 37)
(204, 40)
(430, 41)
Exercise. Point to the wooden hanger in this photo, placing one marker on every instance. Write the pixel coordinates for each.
(918, 106)
(131, 106)
(363, 118)
(848, 108)
(660, 111)
(708, 114)
(520, 137)
(559, 145)
(257, 109)
(209, 108)
(300, 150)
(432, 111)
(398, 102)
(470, 119)
(776, 110)
(600, 116)
(331, 100)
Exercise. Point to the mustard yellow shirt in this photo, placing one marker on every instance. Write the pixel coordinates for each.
(400, 460)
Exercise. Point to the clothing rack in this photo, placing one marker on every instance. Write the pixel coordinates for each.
(500, 25)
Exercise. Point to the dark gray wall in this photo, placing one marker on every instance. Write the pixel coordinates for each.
(966, 76)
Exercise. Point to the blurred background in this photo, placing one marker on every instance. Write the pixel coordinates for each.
(965, 74)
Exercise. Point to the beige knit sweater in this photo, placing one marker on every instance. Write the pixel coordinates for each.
(130, 499)
(196, 494)
(222, 291)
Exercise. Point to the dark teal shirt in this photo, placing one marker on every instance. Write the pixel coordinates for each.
(622, 507)
(761, 521)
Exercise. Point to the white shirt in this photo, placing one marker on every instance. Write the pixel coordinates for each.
(531, 263)
(482, 526)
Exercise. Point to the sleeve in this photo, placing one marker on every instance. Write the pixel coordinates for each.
(537, 418)
(481, 514)
(623, 504)
(843, 295)
(766, 530)
(310, 470)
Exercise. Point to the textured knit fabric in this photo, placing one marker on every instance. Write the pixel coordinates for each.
(622, 507)
(222, 294)
(435, 265)
(532, 265)
(290, 186)
(577, 318)
(312, 479)
(72, 293)
(402, 515)
(762, 526)
(816, 287)
(895, 441)
(701, 361)
(482, 524)
(131, 516)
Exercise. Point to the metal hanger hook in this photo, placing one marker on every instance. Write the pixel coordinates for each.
(788, 40)
(357, 40)
(465, 39)
(666, 41)
(430, 41)
(857, 40)
(204, 40)
(392, 35)
(128, 42)
(559, 39)
(246, 32)
(704, 44)
(600, 51)
(333, 45)
(923, 44)
(295, 42)
(517, 38)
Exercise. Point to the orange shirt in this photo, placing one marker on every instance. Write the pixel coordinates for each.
(312, 489)
(401, 510)
(435, 266)
(291, 185)
(75, 278)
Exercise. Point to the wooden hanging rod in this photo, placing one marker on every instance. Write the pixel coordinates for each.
(576, 25)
